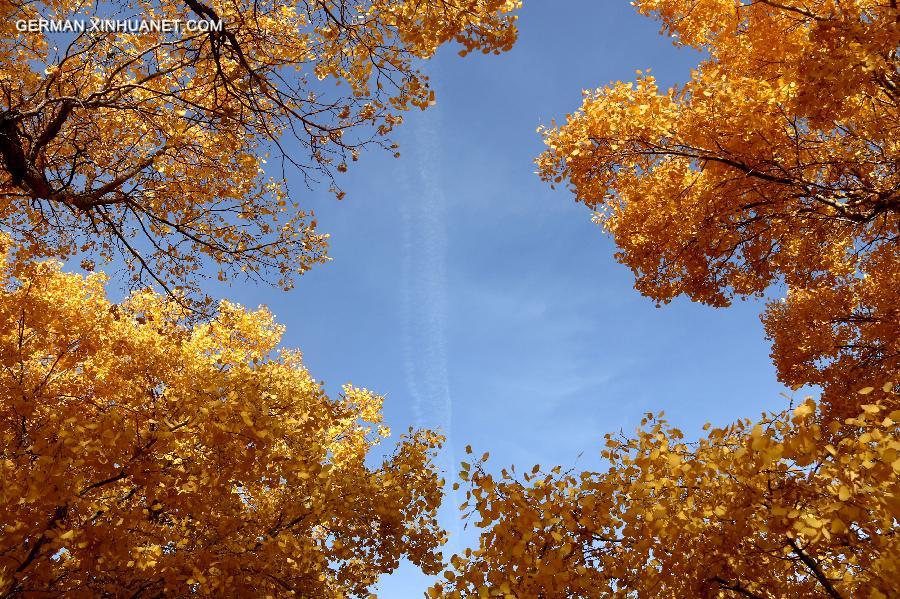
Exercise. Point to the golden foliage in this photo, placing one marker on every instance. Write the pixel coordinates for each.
(777, 163)
(151, 145)
(142, 457)
(792, 505)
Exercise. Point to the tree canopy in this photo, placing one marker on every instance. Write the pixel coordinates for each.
(141, 457)
(151, 146)
(143, 453)
(790, 505)
(777, 163)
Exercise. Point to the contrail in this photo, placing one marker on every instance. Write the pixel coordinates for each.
(425, 287)
(425, 297)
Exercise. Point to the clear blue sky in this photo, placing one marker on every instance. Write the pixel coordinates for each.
(480, 301)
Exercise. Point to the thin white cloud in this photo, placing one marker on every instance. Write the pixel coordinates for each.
(425, 282)
(425, 296)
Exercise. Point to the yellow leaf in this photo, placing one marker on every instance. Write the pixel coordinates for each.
(804, 409)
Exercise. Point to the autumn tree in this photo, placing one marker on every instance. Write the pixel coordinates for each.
(792, 505)
(151, 145)
(778, 163)
(143, 458)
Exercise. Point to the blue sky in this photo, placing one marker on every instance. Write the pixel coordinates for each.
(478, 300)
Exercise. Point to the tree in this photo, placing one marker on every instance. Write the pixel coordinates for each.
(140, 457)
(150, 145)
(789, 506)
(778, 163)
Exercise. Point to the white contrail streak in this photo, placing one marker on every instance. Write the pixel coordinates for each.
(425, 288)
(425, 295)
